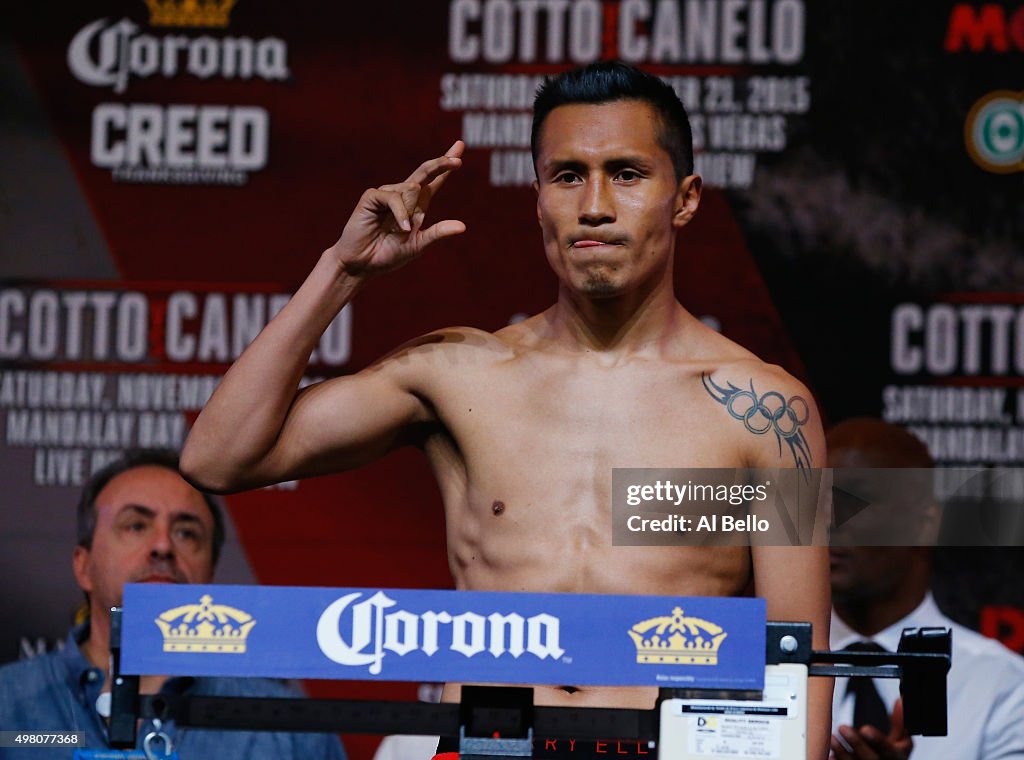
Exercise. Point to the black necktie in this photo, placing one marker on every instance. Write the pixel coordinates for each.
(868, 707)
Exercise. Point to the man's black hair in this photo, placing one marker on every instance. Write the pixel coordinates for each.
(166, 458)
(610, 81)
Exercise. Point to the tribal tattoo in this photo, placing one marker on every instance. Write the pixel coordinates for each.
(770, 411)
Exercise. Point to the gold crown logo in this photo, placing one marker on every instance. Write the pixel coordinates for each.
(205, 627)
(677, 640)
(189, 13)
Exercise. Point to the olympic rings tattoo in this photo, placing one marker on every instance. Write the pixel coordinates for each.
(770, 411)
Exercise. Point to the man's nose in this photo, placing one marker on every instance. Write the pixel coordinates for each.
(162, 544)
(597, 205)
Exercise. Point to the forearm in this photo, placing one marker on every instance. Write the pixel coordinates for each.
(819, 688)
(239, 426)
(819, 717)
(794, 582)
(253, 430)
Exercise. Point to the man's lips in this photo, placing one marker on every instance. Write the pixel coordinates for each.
(593, 243)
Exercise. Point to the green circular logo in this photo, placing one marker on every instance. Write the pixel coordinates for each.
(995, 132)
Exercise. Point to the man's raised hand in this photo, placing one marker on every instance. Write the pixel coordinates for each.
(868, 743)
(386, 229)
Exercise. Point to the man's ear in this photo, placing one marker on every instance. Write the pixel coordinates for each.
(80, 565)
(536, 189)
(687, 200)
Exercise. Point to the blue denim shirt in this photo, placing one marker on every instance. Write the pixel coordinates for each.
(58, 691)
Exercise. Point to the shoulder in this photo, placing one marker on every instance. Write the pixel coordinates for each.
(986, 688)
(438, 349)
(728, 366)
(975, 658)
(752, 377)
(30, 685)
(770, 408)
(973, 652)
(757, 392)
(41, 669)
(458, 336)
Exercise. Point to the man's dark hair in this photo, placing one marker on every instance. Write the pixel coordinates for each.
(610, 81)
(166, 458)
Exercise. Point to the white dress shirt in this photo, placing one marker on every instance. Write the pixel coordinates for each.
(985, 690)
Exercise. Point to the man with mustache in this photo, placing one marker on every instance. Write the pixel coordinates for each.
(138, 522)
(523, 426)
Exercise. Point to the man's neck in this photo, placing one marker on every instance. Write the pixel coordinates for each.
(96, 648)
(869, 617)
(619, 325)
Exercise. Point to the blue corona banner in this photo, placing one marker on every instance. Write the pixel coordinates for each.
(414, 635)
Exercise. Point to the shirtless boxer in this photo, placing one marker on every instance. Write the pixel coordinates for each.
(522, 427)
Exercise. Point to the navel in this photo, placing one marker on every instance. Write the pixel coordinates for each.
(498, 507)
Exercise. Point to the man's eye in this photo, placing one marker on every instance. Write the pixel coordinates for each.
(628, 175)
(136, 527)
(188, 534)
(567, 178)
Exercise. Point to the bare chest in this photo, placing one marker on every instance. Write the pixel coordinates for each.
(562, 419)
(526, 468)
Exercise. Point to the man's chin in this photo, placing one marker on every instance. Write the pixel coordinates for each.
(600, 287)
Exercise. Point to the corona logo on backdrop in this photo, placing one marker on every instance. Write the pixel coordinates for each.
(368, 631)
(994, 132)
(197, 143)
(189, 13)
(205, 627)
(677, 640)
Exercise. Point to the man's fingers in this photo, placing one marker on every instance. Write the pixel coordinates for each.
(839, 752)
(886, 747)
(400, 200)
(898, 728)
(874, 738)
(868, 743)
(903, 748)
(428, 178)
(456, 150)
(434, 172)
(447, 228)
(861, 749)
(396, 204)
(453, 152)
(430, 170)
(900, 743)
(398, 187)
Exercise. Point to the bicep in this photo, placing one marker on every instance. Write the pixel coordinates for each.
(770, 416)
(795, 437)
(794, 579)
(343, 423)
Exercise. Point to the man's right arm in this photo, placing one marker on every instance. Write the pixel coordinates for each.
(257, 428)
